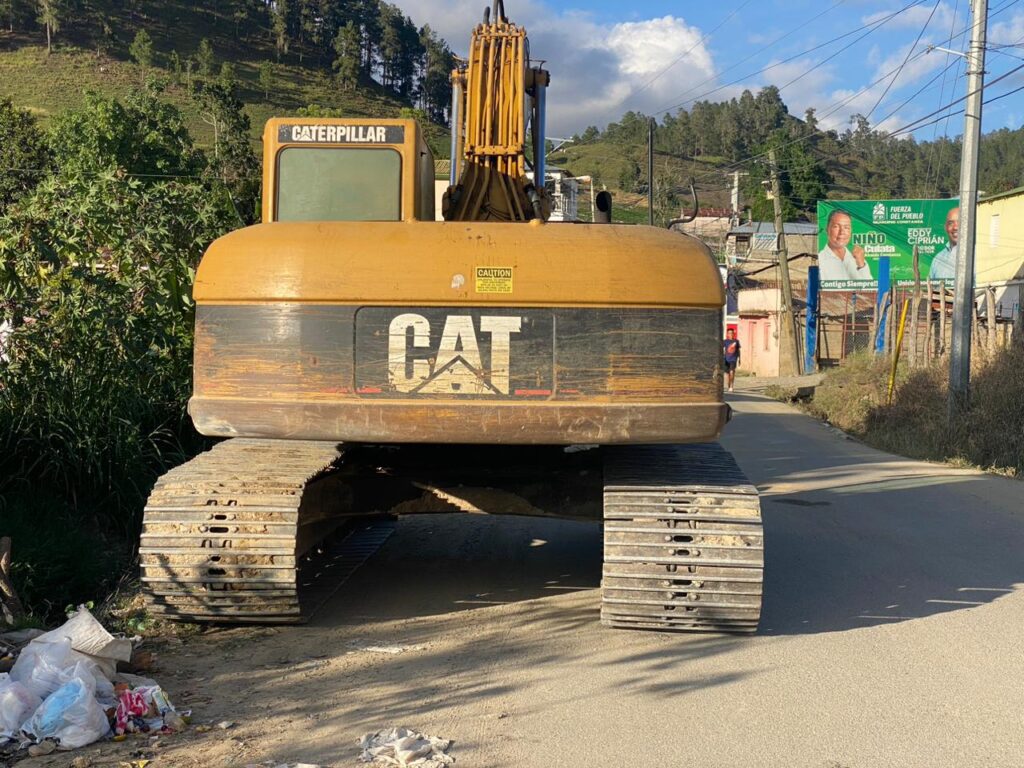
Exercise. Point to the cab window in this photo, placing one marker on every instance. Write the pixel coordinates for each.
(338, 184)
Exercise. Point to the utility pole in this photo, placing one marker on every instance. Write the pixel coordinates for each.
(963, 286)
(789, 355)
(650, 170)
(735, 198)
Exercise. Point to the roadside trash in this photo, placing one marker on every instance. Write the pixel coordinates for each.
(71, 715)
(405, 747)
(87, 638)
(143, 710)
(42, 748)
(61, 693)
(16, 704)
(389, 650)
(225, 724)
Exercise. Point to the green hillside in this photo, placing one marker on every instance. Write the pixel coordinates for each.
(712, 140)
(91, 51)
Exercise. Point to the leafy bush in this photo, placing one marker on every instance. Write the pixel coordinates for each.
(24, 154)
(97, 267)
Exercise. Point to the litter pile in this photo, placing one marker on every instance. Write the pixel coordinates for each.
(64, 691)
(405, 747)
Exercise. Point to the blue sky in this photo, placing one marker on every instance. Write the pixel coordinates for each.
(607, 57)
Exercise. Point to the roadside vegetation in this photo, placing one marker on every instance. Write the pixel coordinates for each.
(98, 246)
(989, 435)
(128, 139)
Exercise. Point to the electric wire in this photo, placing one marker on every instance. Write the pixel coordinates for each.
(905, 60)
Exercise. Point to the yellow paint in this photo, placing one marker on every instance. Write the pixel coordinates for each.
(417, 173)
(999, 247)
(494, 94)
(896, 352)
(413, 263)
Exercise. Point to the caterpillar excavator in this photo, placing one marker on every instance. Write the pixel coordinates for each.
(360, 358)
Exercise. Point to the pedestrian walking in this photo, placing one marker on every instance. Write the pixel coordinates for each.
(731, 356)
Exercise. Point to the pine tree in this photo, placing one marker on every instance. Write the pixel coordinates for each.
(205, 58)
(50, 16)
(280, 27)
(141, 49)
(266, 78)
(348, 49)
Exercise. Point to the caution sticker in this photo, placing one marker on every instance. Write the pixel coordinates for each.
(494, 279)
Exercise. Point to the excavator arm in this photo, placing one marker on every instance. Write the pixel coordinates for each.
(496, 97)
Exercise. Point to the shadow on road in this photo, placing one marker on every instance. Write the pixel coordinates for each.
(442, 563)
(856, 537)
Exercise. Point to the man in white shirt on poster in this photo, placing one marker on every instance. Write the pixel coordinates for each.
(835, 260)
(944, 264)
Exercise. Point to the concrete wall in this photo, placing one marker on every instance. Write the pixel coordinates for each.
(999, 250)
(759, 344)
(758, 300)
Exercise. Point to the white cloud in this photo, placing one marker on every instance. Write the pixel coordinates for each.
(916, 17)
(1009, 32)
(647, 48)
(598, 71)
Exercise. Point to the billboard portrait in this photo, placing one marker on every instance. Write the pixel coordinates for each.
(854, 234)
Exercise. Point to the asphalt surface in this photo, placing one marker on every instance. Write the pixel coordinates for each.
(891, 634)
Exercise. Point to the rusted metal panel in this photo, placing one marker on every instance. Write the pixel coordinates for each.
(470, 421)
(286, 351)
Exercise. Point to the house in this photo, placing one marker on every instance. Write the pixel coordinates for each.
(999, 249)
(758, 241)
(711, 225)
(758, 297)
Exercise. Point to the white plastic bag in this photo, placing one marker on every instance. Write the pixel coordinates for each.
(40, 665)
(17, 703)
(88, 641)
(86, 668)
(70, 715)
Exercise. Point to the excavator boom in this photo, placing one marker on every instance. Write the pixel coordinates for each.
(495, 98)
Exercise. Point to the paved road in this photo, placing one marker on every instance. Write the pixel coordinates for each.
(892, 635)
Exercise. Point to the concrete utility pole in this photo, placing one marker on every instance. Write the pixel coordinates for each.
(789, 355)
(963, 287)
(650, 171)
(735, 199)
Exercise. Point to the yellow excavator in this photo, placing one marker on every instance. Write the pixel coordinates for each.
(362, 358)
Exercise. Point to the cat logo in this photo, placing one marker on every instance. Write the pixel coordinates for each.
(456, 368)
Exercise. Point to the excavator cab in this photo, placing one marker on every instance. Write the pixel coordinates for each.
(334, 169)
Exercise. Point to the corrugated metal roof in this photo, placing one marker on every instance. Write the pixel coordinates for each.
(768, 228)
(1008, 193)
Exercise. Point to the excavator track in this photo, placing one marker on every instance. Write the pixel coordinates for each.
(238, 534)
(683, 542)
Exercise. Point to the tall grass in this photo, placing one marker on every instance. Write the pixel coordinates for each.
(96, 268)
(989, 434)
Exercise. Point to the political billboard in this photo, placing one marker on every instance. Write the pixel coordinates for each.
(854, 234)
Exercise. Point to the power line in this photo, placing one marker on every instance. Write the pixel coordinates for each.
(961, 110)
(912, 126)
(935, 156)
(870, 27)
(905, 60)
(743, 161)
